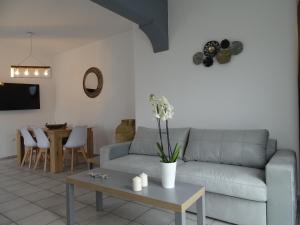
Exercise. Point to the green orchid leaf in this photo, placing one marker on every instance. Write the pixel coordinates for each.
(175, 153)
(161, 153)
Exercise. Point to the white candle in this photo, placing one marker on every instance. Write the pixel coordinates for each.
(137, 184)
(144, 178)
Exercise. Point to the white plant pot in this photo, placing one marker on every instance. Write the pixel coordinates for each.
(168, 174)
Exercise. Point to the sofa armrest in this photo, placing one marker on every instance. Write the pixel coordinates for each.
(110, 152)
(282, 188)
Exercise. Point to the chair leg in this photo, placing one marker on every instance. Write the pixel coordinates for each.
(30, 157)
(36, 152)
(84, 155)
(46, 158)
(72, 160)
(24, 158)
(38, 159)
(76, 158)
(63, 157)
(33, 156)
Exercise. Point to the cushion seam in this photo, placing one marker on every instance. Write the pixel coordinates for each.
(252, 185)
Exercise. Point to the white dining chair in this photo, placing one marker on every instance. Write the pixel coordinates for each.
(76, 143)
(44, 145)
(30, 146)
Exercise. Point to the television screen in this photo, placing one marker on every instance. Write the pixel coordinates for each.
(19, 96)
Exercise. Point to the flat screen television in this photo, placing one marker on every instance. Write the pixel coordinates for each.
(19, 96)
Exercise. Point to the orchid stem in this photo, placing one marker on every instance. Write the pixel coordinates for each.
(160, 136)
(168, 138)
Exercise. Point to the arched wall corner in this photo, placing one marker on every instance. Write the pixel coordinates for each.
(150, 15)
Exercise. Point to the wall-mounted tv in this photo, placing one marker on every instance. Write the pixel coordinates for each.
(19, 96)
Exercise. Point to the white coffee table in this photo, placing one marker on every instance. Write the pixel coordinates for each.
(118, 184)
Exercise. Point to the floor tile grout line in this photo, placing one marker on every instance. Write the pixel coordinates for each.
(59, 180)
(141, 215)
(24, 217)
(7, 217)
(46, 209)
(130, 220)
(59, 216)
(28, 182)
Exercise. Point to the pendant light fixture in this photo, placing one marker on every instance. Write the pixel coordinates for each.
(36, 70)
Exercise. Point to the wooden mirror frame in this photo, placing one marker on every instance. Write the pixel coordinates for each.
(97, 72)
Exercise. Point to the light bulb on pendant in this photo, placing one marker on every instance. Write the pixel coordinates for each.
(17, 72)
(36, 72)
(12, 72)
(26, 73)
(46, 72)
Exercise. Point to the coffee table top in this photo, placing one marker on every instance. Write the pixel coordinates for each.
(119, 184)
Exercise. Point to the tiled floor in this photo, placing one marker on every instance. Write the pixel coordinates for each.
(29, 197)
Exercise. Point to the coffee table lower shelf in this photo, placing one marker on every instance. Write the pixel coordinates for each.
(177, 200)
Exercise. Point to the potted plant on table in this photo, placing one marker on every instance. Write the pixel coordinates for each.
(162, 111)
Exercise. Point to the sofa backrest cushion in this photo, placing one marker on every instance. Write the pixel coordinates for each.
(235, 147)
(144, 142)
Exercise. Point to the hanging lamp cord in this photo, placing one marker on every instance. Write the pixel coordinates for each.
(30, 55)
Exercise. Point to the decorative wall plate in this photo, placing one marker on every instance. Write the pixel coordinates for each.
(198, 58)
(225, 44)
(208, 61)
(236, 47)
(211, 48)
(224, 56)
(222, 51)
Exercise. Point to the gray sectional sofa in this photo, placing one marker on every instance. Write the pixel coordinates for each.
(247, 180)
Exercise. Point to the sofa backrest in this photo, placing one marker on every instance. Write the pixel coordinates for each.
(271, 148)
(235, 147)
(144, 142)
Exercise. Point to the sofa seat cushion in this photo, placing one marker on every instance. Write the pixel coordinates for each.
(235, 181)
(136, 164)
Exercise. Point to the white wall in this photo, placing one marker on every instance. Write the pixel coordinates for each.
(258, 89)
(11, 52)
(114, 57)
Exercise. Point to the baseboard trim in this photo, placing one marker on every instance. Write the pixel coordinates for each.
(9, 157)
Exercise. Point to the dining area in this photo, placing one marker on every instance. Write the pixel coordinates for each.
(54, 148)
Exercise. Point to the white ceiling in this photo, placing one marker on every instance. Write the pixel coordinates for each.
(59, 25)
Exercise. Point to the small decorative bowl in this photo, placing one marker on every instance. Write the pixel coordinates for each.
(56, 126)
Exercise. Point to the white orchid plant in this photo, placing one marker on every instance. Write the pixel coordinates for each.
(162, 111)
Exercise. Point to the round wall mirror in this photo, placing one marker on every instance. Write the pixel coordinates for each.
(92, 82)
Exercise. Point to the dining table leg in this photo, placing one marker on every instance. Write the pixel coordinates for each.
(56, 157)
(20, 147)
(90, 143)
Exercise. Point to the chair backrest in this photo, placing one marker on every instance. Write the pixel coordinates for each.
(42, 140)
(77, 138)
(28, 139)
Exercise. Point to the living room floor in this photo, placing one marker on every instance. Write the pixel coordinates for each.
(29, 197)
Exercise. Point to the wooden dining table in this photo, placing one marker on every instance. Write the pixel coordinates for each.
(56, 137)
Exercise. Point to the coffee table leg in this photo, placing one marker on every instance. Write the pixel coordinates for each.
(99, 201)
(201, 211)
(180, 218)
(70, 204)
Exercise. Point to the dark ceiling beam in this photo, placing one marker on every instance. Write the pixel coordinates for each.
(150, 15)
